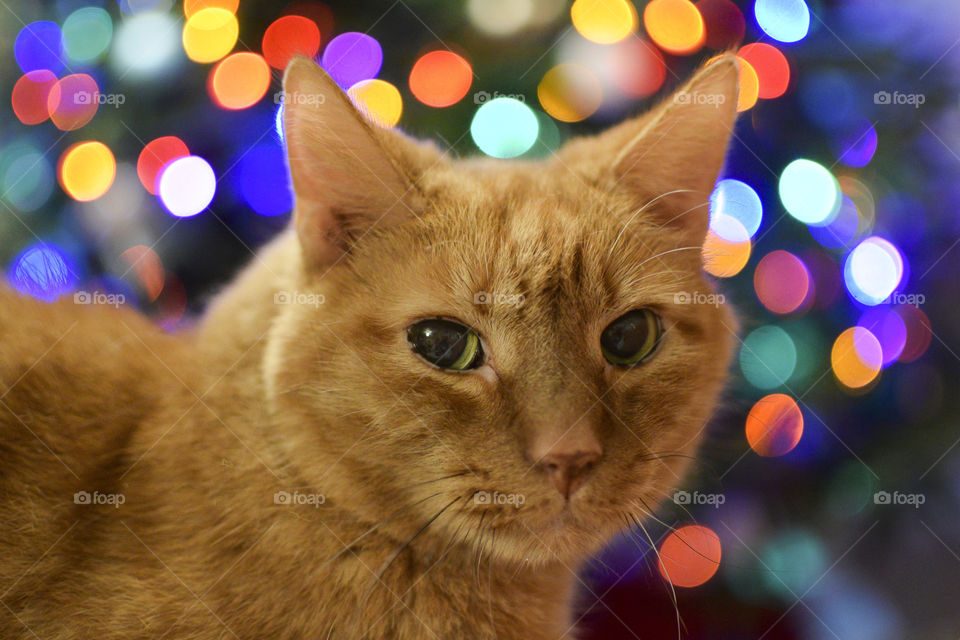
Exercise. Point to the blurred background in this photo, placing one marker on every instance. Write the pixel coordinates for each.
(141, 163)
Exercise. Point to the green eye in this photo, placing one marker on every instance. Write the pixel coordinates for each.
(446, 344)
(631, 338)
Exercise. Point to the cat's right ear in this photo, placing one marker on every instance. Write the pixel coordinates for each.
(349, 175)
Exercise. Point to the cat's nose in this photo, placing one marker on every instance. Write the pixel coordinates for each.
(566, 460)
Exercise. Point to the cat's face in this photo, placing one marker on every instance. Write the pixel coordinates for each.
(504, 344)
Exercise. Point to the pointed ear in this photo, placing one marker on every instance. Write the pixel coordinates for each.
(349, 176)
(677, 149)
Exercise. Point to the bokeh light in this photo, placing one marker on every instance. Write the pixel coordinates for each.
(290, 36)
(148, 267)
(145, 45)
(42, 271)
(504, 128)
(186, 186)
(771, 66)
(39, 45)
(73, 101)
(809, 192)
(87, 33)
(239, 80)
(793, 561)
(352, 57)
(768, 357)
(210, 34)
(873, 270)
(264, 181)
(783, 20)
(637, 67)
(727, 247)
(499, 18)
(774, 425)
(782, 282)
(919, 332)
(190, 7)
(379, 100)
(723, 22)
(604, 21)
(26, 176)
(155, 155)
(30, 94)
(440, 78)
(856, 357)
(86, 170)
(690, 555)
(570, 92)
(749, 86)
(738, 200)
(856, 149)
(889, 328)
(841, 231)
(675, 25)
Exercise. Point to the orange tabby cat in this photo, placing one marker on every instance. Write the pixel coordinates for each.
(413, 416)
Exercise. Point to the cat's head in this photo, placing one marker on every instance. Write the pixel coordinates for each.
(507, 344)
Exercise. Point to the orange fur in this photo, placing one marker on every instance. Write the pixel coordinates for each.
(323, 396)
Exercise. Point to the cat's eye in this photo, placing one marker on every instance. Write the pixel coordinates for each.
(446, 344)
(631, 338)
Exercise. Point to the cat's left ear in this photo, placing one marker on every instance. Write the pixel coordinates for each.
(678, 148)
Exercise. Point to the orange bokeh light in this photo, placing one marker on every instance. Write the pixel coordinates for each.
(690, 555)
(290, 36)
(440, 78)
(856, 357)
(675, 25)
(774, 425)
(239, 80)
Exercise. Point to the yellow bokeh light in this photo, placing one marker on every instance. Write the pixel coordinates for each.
(856, 357)
(190, 7)
(86, 170)
(379, 100)
(570, 92)
(749, 85)
(210, 34)
(604, 21)
(726, 249)
(676, 26)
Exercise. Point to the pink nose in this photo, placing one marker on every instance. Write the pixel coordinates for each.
(568, 471)
(566, 457)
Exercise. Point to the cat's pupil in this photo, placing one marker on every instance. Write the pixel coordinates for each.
(446, 344)
(631, 338)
